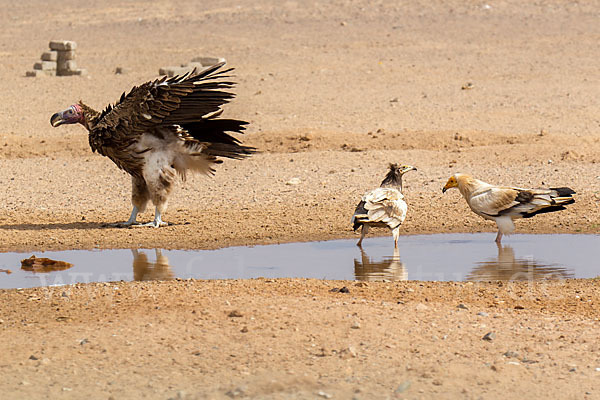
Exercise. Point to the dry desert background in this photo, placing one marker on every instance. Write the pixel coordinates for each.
(333, 90)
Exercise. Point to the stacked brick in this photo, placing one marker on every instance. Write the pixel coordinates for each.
(59, 61)
(199, 63)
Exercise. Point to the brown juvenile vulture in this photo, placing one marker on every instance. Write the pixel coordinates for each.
(505, 204)
(162, 129)
(384, 206)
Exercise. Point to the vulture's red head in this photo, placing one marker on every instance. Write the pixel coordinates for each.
(71, 115)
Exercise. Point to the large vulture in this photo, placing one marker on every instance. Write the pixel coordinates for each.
(384, 206)
(505, 204)
(162, 129)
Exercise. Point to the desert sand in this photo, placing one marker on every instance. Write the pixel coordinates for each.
(333, 91)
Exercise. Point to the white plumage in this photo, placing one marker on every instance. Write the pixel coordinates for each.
(505, 204)
(384, 206)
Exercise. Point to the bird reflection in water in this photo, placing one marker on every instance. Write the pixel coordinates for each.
(144, 270)
(388, 269)
(509, 268)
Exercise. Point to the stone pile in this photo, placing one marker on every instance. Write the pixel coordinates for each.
(199, 63)
(59, 61)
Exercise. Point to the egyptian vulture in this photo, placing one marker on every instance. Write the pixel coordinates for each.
(384, 206)
(505, 204)
(161, 130)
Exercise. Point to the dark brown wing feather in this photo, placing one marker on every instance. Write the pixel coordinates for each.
(177, 100)
(192, 101)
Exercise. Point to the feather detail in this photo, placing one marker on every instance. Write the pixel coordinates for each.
(505, 204)
(164, 128)
(384, 206)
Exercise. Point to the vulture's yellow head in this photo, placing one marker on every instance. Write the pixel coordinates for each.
(452, 183)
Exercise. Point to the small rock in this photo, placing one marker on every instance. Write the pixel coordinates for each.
(244, 329)
(65, 55)
(321, 393)
(49, 56)
(235, 314)
(173, 71)
(355, 325)
(62, 45)
(489, 336)
(573, 369)
(421, 307)
(510, 354)
(403, 387)
(80, 72)
(344, 290)
(45, 66)
(467, 86)
(121, 71)
(208, 61)
(352, 351)
(519, 307)
(237, 392)
(462, 306)
(32, 357)
(293, 181)
(483, 314)
(83, 341)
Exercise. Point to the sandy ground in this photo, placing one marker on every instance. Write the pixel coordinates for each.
(334, 91)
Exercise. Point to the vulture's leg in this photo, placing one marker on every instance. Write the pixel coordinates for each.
(499, 237)
(139, 199)
(159, 187)
(363, 231)
(396, 234)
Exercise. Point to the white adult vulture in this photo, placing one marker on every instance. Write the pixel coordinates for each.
(384, 206)
(505, 204)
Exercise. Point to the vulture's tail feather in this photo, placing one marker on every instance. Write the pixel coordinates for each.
(234, 151)
(215, 130)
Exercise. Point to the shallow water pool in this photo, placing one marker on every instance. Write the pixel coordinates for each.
(440, 257)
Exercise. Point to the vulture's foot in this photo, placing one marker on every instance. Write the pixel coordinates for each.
(154, 224)
(125, 224)
(130, 222)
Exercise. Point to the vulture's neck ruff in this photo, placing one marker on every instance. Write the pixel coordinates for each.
(393, 178)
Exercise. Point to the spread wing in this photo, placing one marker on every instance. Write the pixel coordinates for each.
(178, 116)
(381, 205)
(180, 100)
(517, 202)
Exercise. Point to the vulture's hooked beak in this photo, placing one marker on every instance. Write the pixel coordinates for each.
(408, 168)
(450, 184)
(57, 119)
(69, 116)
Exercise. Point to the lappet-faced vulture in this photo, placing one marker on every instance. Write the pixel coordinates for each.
(161, 130)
